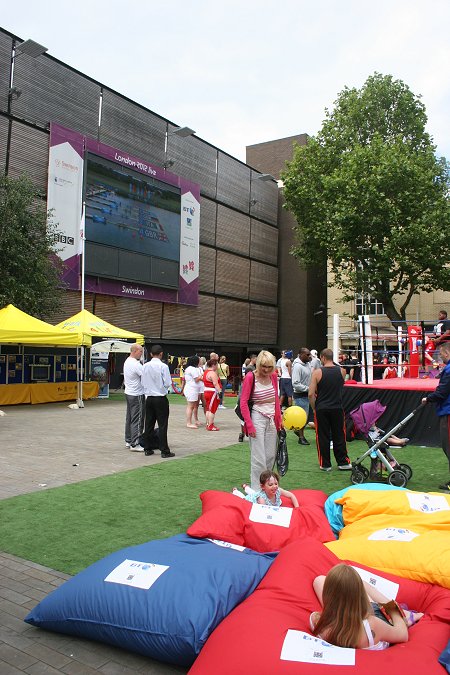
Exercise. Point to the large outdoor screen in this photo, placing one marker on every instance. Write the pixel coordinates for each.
(139, 237)
(127, 211)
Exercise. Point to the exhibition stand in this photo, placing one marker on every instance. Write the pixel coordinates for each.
(44, 392)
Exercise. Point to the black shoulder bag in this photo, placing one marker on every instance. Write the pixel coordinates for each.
(237, 409)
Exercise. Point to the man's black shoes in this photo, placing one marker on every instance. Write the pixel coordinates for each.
(165, 455)
(149, 452)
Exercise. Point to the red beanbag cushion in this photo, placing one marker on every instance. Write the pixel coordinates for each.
(227, 517)
(224, 522)
(212, 498)
(250, 639)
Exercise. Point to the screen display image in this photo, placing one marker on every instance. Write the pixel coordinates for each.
(40, 372)
(132, 212)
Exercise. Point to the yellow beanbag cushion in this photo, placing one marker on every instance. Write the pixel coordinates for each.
(403, 551)
(370, 524)
(431, 508)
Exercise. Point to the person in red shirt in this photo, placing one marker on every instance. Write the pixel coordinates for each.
(212, 392)
(391, 370)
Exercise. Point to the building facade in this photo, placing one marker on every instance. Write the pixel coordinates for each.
(251, 291)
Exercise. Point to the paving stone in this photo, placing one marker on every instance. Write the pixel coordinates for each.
(15, 657)
(42, 455)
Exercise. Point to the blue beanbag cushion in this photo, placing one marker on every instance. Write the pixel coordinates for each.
(334, 511)
(200, 583)
(444, 658)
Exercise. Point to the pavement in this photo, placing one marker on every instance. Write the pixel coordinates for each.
(45, 446)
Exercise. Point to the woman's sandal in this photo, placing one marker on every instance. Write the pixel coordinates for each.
(410, 615)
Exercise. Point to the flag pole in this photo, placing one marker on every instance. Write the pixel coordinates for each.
(80, 402)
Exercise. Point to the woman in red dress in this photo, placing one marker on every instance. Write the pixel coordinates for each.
(213, 389)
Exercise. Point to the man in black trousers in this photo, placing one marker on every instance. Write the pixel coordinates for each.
(325, 398)
(156, 381)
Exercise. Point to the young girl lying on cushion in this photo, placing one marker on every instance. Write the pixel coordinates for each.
(357, 615)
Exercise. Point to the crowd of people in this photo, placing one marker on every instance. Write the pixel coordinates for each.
(352, 613)
(204, 384)
(311, 382)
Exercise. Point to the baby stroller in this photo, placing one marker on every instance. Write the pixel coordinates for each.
(383, 465)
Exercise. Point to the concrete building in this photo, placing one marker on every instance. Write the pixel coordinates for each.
(251, 292)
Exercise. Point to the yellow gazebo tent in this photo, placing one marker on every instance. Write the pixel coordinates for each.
(17, 327)
(93, 326)
(90, 325)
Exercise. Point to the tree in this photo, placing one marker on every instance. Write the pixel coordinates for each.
(30, 269)
(371, 197)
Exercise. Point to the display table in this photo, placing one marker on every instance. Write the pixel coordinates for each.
(45, 392)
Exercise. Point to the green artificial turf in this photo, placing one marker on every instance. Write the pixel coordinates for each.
(177, 399)
(68, 528)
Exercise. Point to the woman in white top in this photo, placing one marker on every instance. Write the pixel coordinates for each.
(191, 390)
(201, 395)
(348, 619)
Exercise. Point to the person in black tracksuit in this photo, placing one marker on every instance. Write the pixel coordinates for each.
(325, 397)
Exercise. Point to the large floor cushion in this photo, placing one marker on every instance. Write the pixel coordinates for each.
(199, 583)
(429, 509)
(212, 498)
(444, 658)
(333, 507)
(232, 519)
(252, 638)
(396, 545)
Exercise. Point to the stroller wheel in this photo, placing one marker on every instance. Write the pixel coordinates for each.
(406, 470)
(357, 476)
(397, 478)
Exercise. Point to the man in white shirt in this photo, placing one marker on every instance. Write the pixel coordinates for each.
(156, 381)
(134, 395)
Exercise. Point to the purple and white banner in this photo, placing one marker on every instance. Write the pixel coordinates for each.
(68, 150)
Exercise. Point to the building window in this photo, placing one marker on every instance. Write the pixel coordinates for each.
(365, 304)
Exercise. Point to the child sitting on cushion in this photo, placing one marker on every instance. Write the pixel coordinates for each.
(269, 493)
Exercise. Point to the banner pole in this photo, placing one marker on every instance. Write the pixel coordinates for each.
(80, 402)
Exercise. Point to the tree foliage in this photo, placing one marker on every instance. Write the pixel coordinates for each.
(30, 269)
(370, 195)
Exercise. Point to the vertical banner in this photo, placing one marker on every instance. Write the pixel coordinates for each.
(64, 197)
(100, 373)
(414, 332)
(189, 247)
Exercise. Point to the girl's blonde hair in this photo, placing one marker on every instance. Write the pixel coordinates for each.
(345, 606)
(265, 358)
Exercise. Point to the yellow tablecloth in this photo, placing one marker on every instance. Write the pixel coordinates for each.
(45, 392)
(13, 394)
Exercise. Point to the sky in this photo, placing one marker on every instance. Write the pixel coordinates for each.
(241, 72)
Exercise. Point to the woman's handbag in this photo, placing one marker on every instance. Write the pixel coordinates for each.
(237, 408)
(282, 459)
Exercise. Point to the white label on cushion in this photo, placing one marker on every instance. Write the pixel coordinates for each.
(271, 515)
(226, 544)
(393, 534)
(420, 501)
(299, 646)
(388, 588)
(137, 574)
